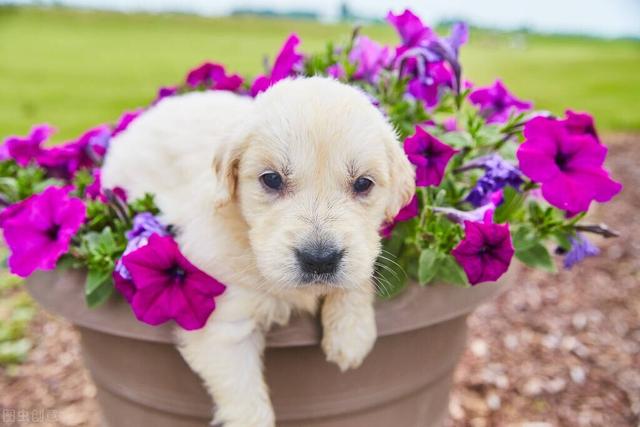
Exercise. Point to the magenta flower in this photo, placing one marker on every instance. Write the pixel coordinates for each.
(25, 149)
(429, 155)
(569, 166)
(450, 124)
(145, 225)
(426, 84)
(39, 231)
(370, 57)
(213, 76)
(496, 103)
(125, 120)
(410, 28)
(94, 191)
(486, 250)
(165, 92)
(411, 210)
(12, 210)
(165, 285)
(85, 152)
(579, 124)
(423, 45)
(336, 71)
(122, 283)
(284, 66)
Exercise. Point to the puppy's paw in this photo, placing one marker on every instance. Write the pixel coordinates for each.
(348, 338)
(248, 416)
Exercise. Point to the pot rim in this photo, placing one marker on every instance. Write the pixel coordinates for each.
(416, 307)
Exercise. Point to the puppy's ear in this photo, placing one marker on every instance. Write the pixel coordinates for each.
(225, 168)
(403, 183)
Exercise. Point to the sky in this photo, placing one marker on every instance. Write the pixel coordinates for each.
(609, 18)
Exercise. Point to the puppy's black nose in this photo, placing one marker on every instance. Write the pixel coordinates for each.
(319, 259)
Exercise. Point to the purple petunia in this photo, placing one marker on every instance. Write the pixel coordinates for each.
(411, 210)
(498, 174)
(166, 286)
(427, 80)
(145, 224)
(429, 155)
(39, 230)
(213, 76)
(420, 43)
(460, 217)
(85, 152)
(370, 57)
(447, 49)
(24, 150)
(496, 103)
(568, 166)
(285, 65)
(581, 248)
(485, 252)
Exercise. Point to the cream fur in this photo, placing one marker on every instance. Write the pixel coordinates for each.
(320, 135)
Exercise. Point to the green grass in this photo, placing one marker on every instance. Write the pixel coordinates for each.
(75, 69)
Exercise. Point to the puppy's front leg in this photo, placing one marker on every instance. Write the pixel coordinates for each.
(349, 325)
(228, 357)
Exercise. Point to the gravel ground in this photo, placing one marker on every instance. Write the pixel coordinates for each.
(551, 351)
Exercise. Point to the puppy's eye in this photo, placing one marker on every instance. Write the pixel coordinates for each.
(272, 180)
(362, 185)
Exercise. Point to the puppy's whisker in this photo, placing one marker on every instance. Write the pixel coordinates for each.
(380, 285)
(391, 270)
(386, 286)
(394, 263)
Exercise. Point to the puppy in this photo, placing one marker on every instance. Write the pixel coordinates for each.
(303, 178)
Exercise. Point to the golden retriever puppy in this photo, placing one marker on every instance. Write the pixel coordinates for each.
(303, 177)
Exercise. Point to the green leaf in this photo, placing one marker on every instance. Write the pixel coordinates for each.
(98, 287)
(537, 256)
(562, 238)
(530, 251)
(390, 277)
(456, 140)
(427, 266)
(513, 201)
(106, 241)
(450, 272)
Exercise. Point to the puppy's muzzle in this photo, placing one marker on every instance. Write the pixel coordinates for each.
(319, 262)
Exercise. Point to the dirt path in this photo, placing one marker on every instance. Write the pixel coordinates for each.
(552, 351)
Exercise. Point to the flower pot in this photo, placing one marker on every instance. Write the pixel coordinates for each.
(143, 381)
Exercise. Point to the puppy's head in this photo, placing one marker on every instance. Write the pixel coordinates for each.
(316, 175)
